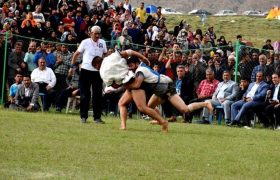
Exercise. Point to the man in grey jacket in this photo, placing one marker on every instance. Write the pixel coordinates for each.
(27, 95)
(223, 96)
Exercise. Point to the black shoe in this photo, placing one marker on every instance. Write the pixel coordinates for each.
(203, 122)
(228, 122)
(58, 109)
(99, 121)
(83, 120)
(234, 123)
(187, 118)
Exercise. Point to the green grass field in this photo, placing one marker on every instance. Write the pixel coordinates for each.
(254, 29)
(57, 146)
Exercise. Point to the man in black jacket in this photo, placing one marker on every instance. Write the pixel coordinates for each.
(272, 108)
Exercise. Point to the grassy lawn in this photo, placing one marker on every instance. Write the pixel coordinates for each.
(57, 146)
(254, 29)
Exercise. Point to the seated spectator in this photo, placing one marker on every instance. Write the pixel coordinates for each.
(243, 86)
(27, 95)
(224, 95)
(253, 98)
(71, 90)
(13, 90)
(272, 105)
(46, 80)
(205, 89)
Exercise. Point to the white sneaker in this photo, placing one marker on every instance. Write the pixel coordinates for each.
(278, 128)
(247, 127)
(252, 123)
(146, 117)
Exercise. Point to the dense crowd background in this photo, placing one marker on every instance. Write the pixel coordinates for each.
(53, 30)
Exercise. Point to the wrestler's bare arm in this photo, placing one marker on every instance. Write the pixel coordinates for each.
(136, 83)
(129, 52)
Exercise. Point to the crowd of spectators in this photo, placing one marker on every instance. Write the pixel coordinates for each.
(43, 35)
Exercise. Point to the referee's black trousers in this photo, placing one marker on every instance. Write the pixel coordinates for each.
(90, 84)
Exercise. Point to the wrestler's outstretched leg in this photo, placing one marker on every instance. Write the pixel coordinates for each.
(180, 105)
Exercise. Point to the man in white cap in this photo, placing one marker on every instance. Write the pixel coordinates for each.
(90, 80)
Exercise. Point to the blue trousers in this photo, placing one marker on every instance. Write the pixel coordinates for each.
(239, 109)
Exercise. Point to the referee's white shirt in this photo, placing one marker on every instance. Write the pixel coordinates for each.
(90, 49)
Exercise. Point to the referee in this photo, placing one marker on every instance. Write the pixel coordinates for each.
(90, 80)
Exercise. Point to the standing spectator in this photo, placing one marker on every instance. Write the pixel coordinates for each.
(158, 15)
(91, 47)
(106, 28)
(141, 12)
(38, 15)
(203, 18)
(230, 64)
(127, 5)
(16, 63)
(218, 70)
(267, 71)
(40, 31)
(68, 21)
(54, 19)
(268, 45)
(120, 9)
(183, 84)
(29, 19)
(125, 40)
(244, 67)
(212, 35)
(148, 33)
(44, 51)
(108, 4)
(197, 70)
(135, 33)
(159, 42)
(61, 67)
(28, 30)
